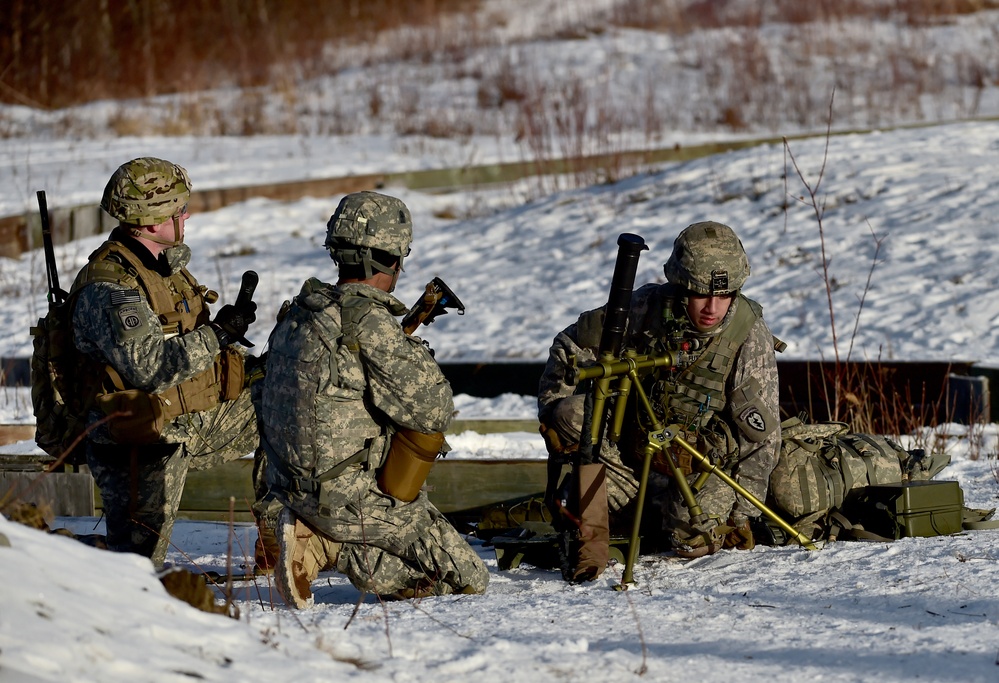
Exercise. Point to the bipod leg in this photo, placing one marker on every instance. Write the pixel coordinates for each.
(636, 526)
(711, 468)
(658, 439)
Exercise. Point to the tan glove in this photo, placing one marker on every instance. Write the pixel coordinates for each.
(622, 485)
(741, 536)
(693, 542)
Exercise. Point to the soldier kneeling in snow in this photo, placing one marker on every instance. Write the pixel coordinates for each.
(726, 400)
(347, 394)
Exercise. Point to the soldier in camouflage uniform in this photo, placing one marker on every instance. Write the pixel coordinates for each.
(167, 382)
(726, 402)
(345, 389)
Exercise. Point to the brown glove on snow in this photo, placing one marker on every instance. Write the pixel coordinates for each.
(741, 536)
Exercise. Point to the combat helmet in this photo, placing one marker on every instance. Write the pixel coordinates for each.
(146, 191)
(367, 221)
(708, 259)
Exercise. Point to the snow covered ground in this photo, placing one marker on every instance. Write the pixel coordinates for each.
(923, 609)
(916, 205)
(917, 609)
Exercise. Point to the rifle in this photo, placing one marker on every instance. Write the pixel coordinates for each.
(627, 367)
(56, 295)
(436, 299)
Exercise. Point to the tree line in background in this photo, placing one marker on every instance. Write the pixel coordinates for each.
(57, 53)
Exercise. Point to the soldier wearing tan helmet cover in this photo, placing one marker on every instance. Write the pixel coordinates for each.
(168, 379)
(726, 402)
(344, 382)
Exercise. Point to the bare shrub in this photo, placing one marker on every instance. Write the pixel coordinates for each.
(85, 52)
(733, 73)
(435, 124)
(125, 122)
(503, 85)
(928, 12)
(684, 16)
(866, 394)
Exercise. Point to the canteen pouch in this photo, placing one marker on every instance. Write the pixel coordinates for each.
(142, 420)
(230, 371)
(409, 459)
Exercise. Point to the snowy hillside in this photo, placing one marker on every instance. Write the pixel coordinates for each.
(905, 218)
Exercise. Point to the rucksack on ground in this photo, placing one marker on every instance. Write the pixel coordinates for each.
(820, 464)
(823, 471)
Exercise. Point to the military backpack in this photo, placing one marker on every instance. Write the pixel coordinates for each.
(58, 381)
(820, 464)
(822, 467)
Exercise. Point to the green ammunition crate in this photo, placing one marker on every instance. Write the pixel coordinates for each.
(919, 508)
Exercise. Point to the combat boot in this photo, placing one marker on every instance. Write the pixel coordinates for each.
(302, 554)
(265, 550)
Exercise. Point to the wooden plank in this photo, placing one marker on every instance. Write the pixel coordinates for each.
(209, 490)
(13, 236)
(213, 199)
(206, 493)
(64, 494)
(16, 231)
(13, 433)
(493, 426)
(25, 462)
(216, 515)
(455, 485)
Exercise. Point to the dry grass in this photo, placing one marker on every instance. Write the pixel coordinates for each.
(290, 67)
(66, 52)
(61, 54)
(868, 395)
(685, 16)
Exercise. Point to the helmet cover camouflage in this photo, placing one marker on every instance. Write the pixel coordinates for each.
(708, 259)
(373, 220)
(146, 191)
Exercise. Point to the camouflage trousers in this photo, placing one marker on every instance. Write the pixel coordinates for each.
(141, 486)
(390, 546)
(663, 498)
(439, 562)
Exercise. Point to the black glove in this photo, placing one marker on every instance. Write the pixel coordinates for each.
(232, 321)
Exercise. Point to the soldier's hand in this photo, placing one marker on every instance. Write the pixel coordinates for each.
(693, 541)
(622, 486)
(741, 536)
(231, 322)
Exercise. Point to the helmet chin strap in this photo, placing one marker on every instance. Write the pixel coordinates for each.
(395, 280)
(139, 233)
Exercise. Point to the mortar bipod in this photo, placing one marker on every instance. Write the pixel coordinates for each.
(659, 439)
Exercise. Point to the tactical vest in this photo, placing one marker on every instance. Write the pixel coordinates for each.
(313, 398)
(179, 303)
(692, 396)
(698, 392)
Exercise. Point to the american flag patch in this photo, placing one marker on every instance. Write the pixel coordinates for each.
(125, 296)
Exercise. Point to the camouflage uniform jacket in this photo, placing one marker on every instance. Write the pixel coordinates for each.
(115, 325)
(341, 376)
(751, 452)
